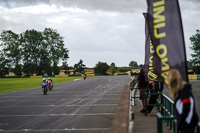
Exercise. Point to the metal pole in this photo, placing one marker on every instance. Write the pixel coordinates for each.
(145, 103)
(159, 123)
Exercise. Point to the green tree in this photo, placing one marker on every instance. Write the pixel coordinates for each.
(195, 61)
(12, 50)
(4, 64)
(33, 51)
(18, 70)
(55, 47)
(193, 66)
(65, 65)
(79, 67)
(133, 64)
(112, 68)
(45, 64)
(42, 51)
(101, 67)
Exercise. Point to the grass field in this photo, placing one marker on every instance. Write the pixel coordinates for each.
(15, 84)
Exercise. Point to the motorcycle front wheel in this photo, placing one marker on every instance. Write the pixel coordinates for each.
(50, 87)
(44, 89)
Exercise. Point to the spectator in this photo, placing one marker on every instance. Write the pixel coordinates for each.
(184, 102)
(143, 87)
(155, 87)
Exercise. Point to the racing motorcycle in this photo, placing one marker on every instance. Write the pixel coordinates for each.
(44, 88)
(50, 85)
(84, 77)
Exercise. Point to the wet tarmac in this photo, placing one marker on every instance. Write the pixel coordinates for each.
(80, 106)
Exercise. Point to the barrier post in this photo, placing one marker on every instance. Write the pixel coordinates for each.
(162, 103)
(165, 105)
(146, 96)
(198, 128)
(174, 126)
(170, 122)
(167, 112)
(159, 123)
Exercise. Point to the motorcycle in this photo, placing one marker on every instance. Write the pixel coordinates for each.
(50, 85)
(44, 88)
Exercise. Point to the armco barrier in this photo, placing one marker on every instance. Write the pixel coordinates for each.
(88, 75)
(194, 77)
(35, 76)
(61, 75)
(74, 75)
(98, 74)
(122, 74)
(133, 90)
(48, 76)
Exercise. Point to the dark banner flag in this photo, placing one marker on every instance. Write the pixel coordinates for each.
(149, 68)
(165, 29)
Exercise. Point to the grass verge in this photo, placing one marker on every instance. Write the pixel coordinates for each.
(16, 84)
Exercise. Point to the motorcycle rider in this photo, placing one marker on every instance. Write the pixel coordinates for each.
(84, 76)
(51, 81)
(44, 80)
(44, 86)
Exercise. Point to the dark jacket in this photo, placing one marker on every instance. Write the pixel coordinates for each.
(44, 81)
(159, 86)
(141, 80)
(185, 108)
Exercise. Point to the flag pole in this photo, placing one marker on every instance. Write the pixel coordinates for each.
(186, 72)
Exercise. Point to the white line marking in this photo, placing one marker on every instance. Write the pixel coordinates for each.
(61, 105)
(38, 95)
(54, 130)
(7, 100)
(92, 114)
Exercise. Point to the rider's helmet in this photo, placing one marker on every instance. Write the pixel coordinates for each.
(44, 79)
(49, 78)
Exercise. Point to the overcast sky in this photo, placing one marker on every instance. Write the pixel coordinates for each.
(94, 30)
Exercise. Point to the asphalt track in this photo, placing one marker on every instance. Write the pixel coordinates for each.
(81, 106)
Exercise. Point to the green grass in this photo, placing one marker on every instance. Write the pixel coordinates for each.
(15, 84)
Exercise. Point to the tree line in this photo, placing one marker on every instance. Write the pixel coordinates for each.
(39, 52)
(102, 68)
(32, 52)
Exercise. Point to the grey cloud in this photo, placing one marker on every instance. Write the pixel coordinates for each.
(108, 5)
(22, 3)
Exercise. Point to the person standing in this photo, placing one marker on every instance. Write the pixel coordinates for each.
(184, 102)
(155, 87)
(143, 87)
